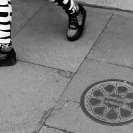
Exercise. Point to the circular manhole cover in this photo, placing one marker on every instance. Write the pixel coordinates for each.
(109, 102)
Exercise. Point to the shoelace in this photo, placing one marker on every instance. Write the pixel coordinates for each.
(73, 21)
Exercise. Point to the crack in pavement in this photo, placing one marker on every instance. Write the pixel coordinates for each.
(46, 114)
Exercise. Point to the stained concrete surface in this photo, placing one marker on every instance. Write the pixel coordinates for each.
(68, 115)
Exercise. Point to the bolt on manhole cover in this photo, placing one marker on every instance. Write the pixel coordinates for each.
(109, 102)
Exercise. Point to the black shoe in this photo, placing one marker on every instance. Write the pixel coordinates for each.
(7, 58)
(76, 24)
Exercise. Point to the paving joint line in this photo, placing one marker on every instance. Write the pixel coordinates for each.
(100, 34)
(104, 7)
(106, 62)
(28, 21)
(46, 66)
(63, 130)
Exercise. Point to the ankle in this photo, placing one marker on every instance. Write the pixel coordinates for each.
(74, 9)
(5, 47)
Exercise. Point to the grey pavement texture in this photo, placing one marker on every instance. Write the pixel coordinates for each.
(41, 93)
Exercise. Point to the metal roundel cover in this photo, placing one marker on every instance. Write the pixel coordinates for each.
(109, 102)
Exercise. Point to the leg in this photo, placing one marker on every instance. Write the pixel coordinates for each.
(68, 5)
(77, 16)
(5, 23)
(7, 53)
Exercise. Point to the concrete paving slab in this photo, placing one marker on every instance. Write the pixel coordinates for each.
(27, 95)
(67, 114)
(115, 44)
(23, 10)
(43, 40)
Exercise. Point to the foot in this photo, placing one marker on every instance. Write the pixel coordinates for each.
(76, 24)
(7, 58)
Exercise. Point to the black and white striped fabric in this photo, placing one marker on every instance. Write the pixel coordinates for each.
(68, 5)
(5, 22)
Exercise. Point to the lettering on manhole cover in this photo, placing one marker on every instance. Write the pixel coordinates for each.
(109, 102)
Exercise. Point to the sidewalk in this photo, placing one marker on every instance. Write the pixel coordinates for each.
(42, 92)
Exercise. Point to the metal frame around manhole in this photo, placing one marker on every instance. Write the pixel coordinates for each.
(109, 102)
